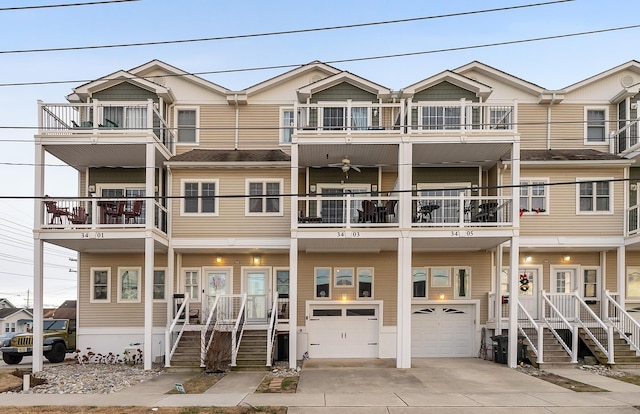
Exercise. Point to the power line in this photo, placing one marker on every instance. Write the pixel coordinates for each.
(279, 33)
(51, 6)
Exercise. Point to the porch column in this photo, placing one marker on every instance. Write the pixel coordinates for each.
(403, 339)
(622, 276)
(169, 280)
(293, 303)
(149, 258)
(38, 260)
(603, 282)
(498, 289)
(514, 254)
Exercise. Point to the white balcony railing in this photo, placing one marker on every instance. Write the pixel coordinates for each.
(462, 115)
(101, 213)
(627, 137)
(349, 210)
(461, 211)
(105, 117)
(350, 117)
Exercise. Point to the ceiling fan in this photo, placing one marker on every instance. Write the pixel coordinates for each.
(345, 165)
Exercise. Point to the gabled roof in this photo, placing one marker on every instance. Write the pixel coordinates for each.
(502, 77)
(284, 77)
(357, 81)
(4, 303)
(632, 65)
(66, 311)
(174, 71)
(83, 92)
(228, 157)
(7, 312)
(480, 89)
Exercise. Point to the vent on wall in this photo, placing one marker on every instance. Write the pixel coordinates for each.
(626, 81)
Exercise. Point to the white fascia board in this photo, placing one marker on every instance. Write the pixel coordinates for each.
(227, 164)
(600, 242)
(276, 243)
(574, 163)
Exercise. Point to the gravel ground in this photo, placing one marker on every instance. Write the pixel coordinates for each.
(90, 378)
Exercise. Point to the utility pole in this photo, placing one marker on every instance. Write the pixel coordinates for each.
(27, 298)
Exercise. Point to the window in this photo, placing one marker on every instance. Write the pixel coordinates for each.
(441, 117)
(287, 126)
(187, 123)
(129, 284)
(264, 197)
(590, 283)
(100, 284)
(322, 280)
(633, 282)
(595, 125)
(365, 282)
(199, 197)
(192, 283)
(159, 283)
(500, 117)
(462, 281)
(533, 195)
(343, 277)
(563, 279)
(595, 196)
(419, 277)
(440, 277)
(333, 118)
(282, 282)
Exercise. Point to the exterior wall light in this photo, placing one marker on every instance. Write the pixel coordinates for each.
(528, 259)
(256, 260)
(219, 259)
(441, 296)
(344, 297)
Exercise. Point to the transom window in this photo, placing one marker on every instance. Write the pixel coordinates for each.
(264, 197)
(100, 284)
(187, 123)
(595, 125)
(533, 195)
(199, 197)
(595, 196)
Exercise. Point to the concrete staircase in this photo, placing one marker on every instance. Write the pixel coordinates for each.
(554, 355)
(624, 356)
(252, 354)
(187, 355)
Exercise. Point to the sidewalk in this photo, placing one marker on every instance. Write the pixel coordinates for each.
(443, 385)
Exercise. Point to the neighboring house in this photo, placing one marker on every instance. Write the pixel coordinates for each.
(4, 303)
(373, 222)
(15, 320)
(65, 311)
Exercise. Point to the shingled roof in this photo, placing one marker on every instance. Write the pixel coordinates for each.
(566, 155)
(204, 155)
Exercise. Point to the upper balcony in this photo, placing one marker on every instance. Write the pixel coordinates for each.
(626, 140)
(71, 132)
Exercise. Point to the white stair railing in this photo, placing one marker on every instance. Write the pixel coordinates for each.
(205, 342)
(554, 320)
(272, 329)
(622, 322)
(238, 330)
(599, 332)
(170, 347)
(533, 332)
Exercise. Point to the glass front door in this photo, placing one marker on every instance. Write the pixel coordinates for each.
(257, 284)
(217, 283)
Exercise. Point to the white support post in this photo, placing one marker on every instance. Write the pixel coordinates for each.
(514, 254)
(604, 304)
(622, 276)
(403, 340)
(293, 302)
(498, 289)
(38, 260)
(149, 258)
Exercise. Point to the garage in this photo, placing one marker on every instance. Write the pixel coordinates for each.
(442, 330)
(343, 331)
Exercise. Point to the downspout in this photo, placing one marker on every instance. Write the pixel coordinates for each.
(553, 98)
(236, 135)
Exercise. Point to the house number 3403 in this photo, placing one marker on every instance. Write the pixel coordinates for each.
(348, 234)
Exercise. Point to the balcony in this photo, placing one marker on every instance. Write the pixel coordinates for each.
(92, 214)
(353, 211)
(461, 116)
(104, 117)
(627, 139)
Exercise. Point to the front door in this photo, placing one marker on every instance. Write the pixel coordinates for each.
(256, 282)
(528, 290)
(217, 282)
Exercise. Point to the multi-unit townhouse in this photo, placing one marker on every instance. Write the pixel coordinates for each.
(346, 219)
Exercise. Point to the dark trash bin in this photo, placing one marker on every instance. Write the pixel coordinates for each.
(500, 345)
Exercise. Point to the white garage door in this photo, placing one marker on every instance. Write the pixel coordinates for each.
(442, 330)
(343, 332)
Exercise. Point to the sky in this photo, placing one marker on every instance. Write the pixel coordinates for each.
(429, 45)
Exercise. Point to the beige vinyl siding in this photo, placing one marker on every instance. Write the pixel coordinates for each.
(259, 126)
(445, 175)
(388, 182)
(478, 262)
(114, 314)
(217, 128)
(117, 176)
(532, 126)
(231, 221)
(561, 218)
(445, 91)
(611, 275)
(568, 122)
(385, 279)
(125, 92)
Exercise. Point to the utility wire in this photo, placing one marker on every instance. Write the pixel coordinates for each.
(52, 6)
(279, 33)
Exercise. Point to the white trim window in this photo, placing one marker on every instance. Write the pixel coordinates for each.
(595, 125)
(159, 284)
(129, 284)
(265, 198)
(633, 282)
(590, 289)
(100, 284)
(461, 282)
(533, 195)
(199, 197)
(322, 282)
(191, 278)
(594, 196)
(365, 282)
(187, 120)
(286, 125)
(419, 282)
(563, 279)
